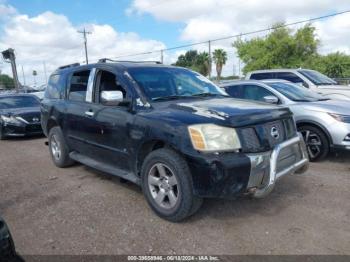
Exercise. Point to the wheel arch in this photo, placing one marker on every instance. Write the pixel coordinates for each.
(52, 122)
(146, 148)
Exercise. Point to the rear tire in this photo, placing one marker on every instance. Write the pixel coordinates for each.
(316, 141)
(167, 185)
(58, 148)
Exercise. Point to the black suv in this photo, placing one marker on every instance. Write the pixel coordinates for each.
(170, 130)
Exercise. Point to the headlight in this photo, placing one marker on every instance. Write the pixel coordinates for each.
(210, 137)
(10, 120)
(341, 118)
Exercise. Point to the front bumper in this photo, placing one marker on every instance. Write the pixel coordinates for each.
(267, 168)
(229, 175)
(21, 130)
(340, 133)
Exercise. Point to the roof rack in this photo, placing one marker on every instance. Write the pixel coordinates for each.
(105, 60)
(68, 66)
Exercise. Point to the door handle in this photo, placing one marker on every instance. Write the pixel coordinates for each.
(89, 113)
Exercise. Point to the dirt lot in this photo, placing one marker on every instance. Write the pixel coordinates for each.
(81, 211)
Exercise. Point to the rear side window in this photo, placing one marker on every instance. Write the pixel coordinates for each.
(78, 86)
(55, 87)
(261, 76)
(291, 77)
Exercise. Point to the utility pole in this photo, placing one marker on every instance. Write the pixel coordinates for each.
(44, 64)
(84, 32)
(209, 49)
(162, 56)
(24, 80)
(35, 73)
(9, 57)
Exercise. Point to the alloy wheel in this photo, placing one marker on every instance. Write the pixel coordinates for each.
(163, 186)
(55, 148)
(313, 143)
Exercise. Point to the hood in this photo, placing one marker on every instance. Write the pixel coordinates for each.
(225, 111)
(341, 107)
(335, 87)
(20, 111)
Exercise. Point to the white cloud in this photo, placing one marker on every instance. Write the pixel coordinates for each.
(209, 19)
(6, 10)
(54, 39)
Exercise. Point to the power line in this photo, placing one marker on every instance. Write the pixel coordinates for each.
(237, 35)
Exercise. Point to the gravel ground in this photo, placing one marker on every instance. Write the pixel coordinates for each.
(78, 210)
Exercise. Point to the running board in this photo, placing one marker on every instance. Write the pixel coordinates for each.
(105, 167)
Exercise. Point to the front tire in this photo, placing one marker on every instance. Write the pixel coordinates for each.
(58, 148)
(167, 185)
(316, 141)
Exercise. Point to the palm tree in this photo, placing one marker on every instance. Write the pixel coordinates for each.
(220, 58)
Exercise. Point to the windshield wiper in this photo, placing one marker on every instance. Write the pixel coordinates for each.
(172, 97)
(208, 94)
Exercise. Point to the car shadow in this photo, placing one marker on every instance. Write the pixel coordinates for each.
(288, 189)
(23, 138)
(94, 173)
(339, 156)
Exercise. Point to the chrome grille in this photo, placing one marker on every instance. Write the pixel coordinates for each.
(260, 138)
(250, 140)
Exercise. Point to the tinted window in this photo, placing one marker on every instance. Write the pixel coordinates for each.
(78, 86)
(254, 92)
(296, 93)
(317, 78)
(291, 77)
(54, 87)
(158, 83)
(234, 91)
(18, 102)
(261, 76)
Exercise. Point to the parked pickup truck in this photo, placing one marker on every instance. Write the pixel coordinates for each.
(169, 130)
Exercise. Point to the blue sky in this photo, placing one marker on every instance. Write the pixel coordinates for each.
(110, 12)
(46, 30)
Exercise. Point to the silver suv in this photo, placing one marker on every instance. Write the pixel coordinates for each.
(308, 78)
(324, 123)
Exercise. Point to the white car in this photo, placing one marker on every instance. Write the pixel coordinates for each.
(308, 78)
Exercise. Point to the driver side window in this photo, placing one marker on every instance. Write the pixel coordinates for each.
(255, 92)
(108, 85)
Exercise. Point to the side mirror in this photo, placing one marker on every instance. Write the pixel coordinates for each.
(112, 98)
(305, 84)
(271, 99)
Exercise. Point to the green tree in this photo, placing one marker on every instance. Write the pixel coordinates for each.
(280, 49)
(220, 58)
(6, 82)
(335, 65)
(188, 59)
(196, 61)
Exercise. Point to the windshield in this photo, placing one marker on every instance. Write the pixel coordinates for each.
(317, 78)
(296, 93)
(10, 102)
(173, 83)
